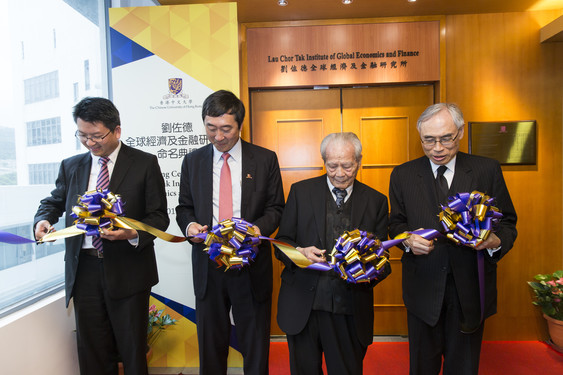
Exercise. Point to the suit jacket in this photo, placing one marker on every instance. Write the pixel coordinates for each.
(414, 205)
(262, 204)
(137, 178)
(303, 224)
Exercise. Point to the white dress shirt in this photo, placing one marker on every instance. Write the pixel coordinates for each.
(448, 174)
(348, 190)
(235, 164)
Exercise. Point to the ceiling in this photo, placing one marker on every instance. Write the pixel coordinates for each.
(268, 10)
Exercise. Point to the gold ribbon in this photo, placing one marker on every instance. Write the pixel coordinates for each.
(120, 222)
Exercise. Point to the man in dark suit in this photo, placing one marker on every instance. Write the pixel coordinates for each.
(441, 283)
(318, 310)
(109, 277)
(247, 185)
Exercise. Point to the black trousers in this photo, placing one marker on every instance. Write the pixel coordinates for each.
(333, 334)
(108, 329)
(225, 291)
(427, 344)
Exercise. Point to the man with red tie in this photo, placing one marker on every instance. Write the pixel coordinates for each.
(230, 178)
(108, 276)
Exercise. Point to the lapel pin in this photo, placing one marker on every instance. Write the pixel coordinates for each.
(248, 176)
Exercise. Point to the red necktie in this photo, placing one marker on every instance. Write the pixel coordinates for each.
(225, 191)
(101, 183)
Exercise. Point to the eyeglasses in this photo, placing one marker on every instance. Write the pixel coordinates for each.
(445, 141)
(95, 138)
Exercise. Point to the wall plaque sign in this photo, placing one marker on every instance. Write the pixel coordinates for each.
(509, 142)
(343, 54)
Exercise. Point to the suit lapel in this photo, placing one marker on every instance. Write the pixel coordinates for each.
(358, 205)
(427, 182)
(463, 177)
(318, 201)
(205, 176)
(82, 173)
(123, 163)
(248, 177)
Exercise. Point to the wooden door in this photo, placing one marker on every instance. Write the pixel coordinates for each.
(293, 123)
(384, 118)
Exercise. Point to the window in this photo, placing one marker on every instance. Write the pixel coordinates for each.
(18, 261)
(44, 132)
(9, 257)
(76, 92)
(43, 87)
(39, 66)
(86, 75)
(45, 173)
(7, 156)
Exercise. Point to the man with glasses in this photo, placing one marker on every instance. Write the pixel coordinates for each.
(108, 276)
(446, 300)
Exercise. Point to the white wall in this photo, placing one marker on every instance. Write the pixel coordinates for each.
(39, 339)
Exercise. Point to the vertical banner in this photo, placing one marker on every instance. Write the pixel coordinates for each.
(165, 61)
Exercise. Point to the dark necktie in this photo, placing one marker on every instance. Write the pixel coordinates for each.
(442, 184)
(340, 195)
(102, 183)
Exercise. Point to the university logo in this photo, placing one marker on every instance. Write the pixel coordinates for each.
(175, 85)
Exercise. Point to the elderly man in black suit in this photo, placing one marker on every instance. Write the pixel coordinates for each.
(230, 177)
(109, 277)
(441, 286)
(318, 310)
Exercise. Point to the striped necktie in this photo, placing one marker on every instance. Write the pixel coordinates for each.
(102, 183)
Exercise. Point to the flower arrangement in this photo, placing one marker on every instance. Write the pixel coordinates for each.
(158, 321)
(548, 290)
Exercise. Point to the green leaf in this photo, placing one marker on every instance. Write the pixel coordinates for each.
(542, 277)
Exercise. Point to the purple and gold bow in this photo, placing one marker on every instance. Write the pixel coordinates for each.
(468, 219)
(359, 256)
(102, 209)
(96, 210)
(232, 243)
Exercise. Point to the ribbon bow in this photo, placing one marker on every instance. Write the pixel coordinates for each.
(469, 218)
(358, 256)
(232, 243)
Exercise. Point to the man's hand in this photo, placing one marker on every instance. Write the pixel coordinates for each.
(194, 229)
(42, 228)
(118, 234)
(313, 254)
(256, 230)
(492, 242)
(419, 245)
